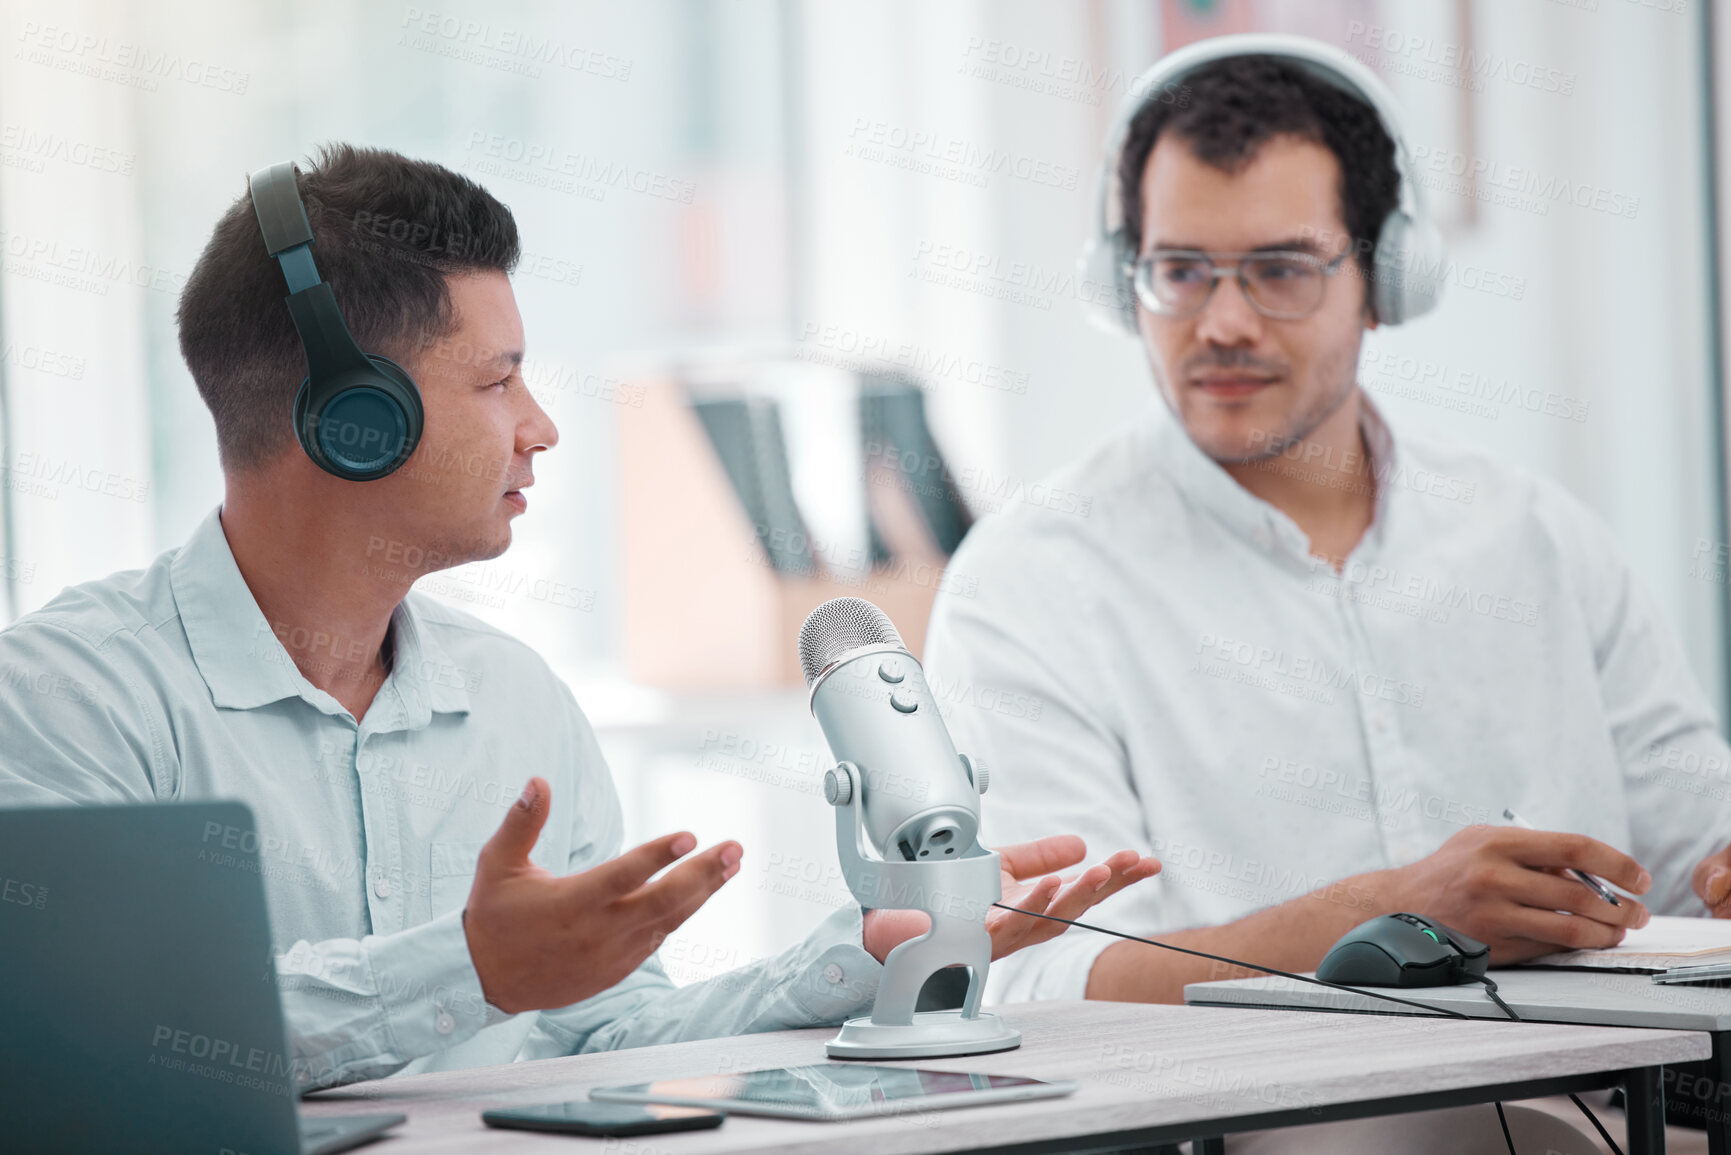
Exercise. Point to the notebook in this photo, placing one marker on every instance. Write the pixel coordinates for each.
(1665, 942)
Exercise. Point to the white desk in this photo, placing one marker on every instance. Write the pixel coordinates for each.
(1544, 994)
(1149, 1074)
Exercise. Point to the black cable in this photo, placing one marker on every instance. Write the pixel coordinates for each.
(1234, 962)
(1504, 1120)
(1490, 989)
(1603, 1134)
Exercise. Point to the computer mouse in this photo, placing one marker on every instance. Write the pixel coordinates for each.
(1403, 950)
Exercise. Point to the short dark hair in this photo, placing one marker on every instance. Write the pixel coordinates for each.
(387, 231)
(1236, 105)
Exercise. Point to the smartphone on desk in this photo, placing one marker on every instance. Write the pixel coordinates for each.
(586, 1117)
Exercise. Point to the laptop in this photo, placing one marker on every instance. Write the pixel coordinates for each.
(138, 999)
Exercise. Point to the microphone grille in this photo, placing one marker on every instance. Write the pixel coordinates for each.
(838, 627)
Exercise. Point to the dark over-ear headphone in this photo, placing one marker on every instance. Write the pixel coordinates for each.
(357, 415)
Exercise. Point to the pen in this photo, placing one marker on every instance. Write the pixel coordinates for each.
(1598, 887)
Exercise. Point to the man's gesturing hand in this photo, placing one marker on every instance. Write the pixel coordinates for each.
(540, 941)
(1030, 882)
(1712, 883)
(1510, 888)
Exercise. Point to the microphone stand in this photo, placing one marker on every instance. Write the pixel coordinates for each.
(956, 893)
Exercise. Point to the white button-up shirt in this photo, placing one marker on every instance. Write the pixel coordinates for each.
(168, 684)
(1163, 666)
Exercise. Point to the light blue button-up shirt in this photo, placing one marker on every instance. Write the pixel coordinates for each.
(168, 684)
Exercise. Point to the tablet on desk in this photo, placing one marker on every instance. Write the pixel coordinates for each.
(836, 1091)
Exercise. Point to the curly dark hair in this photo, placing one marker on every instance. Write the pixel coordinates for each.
(1234, 106)
(387, 231)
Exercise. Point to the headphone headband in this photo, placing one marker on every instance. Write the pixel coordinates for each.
(281, 215)
(1409, 272)
(358, 416)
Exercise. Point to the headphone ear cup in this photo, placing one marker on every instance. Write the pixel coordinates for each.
(1106, 278)
(1409, 269)
(369, 424)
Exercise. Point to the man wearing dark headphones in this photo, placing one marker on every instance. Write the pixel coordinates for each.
(1305, 658)
(438, 832)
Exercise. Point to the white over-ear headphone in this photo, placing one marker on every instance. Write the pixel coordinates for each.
(1409, 250)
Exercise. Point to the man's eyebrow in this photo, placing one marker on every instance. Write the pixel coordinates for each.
(1292, 244)
(1295, 244)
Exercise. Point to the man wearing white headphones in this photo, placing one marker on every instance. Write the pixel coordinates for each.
(1305, 658)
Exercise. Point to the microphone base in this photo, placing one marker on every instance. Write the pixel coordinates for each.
(932, 1035)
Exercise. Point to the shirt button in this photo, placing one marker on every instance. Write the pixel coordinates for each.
(382, 886)
(444, 1024)
(832, 974)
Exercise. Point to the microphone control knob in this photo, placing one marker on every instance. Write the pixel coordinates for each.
(977, 774)
(837, 786)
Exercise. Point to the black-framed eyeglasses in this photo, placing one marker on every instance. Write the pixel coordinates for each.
(1283, 285)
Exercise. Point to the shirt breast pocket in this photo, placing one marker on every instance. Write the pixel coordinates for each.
(450, 874)
(451, 870)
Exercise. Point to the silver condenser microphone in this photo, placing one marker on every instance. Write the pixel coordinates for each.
(907, 819)
(871, 698)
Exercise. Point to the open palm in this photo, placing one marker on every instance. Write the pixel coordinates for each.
(1031, 883)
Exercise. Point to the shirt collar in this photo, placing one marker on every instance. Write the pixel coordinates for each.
(1206, 484)
(245, 665)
